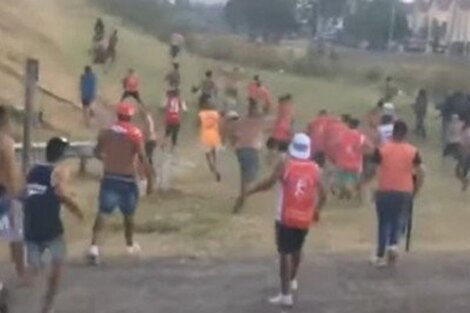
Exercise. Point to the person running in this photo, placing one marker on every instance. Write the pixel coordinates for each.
(176, 42)
(208, 90)
(173, 78)
(349, 159)
(112, 44)
(400, 177)
(10, 214)
(174, 106)
(45, 193)
(150, 136)
(464, 163)
(282, 129)
(121, 149)
(316, 131)
(88, 90)
(258, 91)
(386, 128)
(246, 138)
(420, 108)
(453, 138)
(209, 123)
(301, 198)
(131, 84)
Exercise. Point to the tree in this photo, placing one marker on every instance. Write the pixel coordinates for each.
(373, 21)
(268, 18)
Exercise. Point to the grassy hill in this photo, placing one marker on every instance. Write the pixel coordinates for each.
(194, 218)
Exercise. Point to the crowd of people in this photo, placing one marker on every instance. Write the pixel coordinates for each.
(332, 156)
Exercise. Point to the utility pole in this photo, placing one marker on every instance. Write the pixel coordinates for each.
(391, 30)
(31, 79)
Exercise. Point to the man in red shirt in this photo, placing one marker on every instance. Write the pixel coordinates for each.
(349, 159)
(282, 129)
(316, 131)
(121, 150)
(131, 85)
(301, 197)
(260, 93)
(174, 106)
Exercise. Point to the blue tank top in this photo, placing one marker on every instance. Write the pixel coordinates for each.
(41, 206)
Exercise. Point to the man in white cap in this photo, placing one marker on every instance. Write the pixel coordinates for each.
(301, 197)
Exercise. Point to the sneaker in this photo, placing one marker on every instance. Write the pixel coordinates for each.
(294, 285)
(282, 300)
(135, 249)
(378, 262)
(93, 256)
(392, 255)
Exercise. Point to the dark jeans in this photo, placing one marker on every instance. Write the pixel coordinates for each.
(392, 214)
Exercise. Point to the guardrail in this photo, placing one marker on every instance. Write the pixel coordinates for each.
(83, 150)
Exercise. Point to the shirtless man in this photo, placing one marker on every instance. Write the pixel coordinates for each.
(10, 185)
(121, 149)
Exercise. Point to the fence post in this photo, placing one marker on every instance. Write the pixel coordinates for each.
(31, 79)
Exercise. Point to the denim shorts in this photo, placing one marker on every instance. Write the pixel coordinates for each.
(35, 252)
(11, 220)
(118, 192)
(248, 158)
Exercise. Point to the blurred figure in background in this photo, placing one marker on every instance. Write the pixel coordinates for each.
(420, 108)
(88, 91)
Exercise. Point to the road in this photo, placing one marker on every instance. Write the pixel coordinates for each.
(343, 283)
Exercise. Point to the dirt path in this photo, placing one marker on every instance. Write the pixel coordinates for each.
(342, 283)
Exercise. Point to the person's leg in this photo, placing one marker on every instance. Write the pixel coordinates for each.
(296, 259)
(57, 251)
(397, 217)
(383, 225)
(108, 200)
(218, 177)
(34, 253)
(17, 257)
(125, 95)
(128, 206)
(175, 135)
(285, 272)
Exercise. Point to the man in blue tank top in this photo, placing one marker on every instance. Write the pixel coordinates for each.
(43, 229)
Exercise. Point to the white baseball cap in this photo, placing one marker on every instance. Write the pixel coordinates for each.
(300, 147)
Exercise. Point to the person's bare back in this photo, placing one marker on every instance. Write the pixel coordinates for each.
(9, 174)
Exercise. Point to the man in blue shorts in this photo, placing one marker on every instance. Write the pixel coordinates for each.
(120, 148)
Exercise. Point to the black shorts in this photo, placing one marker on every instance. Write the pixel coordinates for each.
(289, 240)
(278, 145)
(174, 51)
(131, 94)
(172, 130)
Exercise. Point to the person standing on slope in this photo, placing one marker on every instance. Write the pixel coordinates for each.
(121, 149)
(301, 198)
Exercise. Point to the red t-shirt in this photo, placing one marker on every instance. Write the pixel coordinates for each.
(349, 151)
(173, 109)
(316, 132)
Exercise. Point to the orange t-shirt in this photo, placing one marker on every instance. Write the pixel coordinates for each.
(397, 162)
(316, 132)
(210, 128)
(349, 151)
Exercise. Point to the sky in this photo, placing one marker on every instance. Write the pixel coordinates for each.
(209, 1)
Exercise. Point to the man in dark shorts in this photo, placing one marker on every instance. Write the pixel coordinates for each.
(121, 149)
(45, 193)
(131, 84)
(301, 198)
(281, 134)
(400, 177)
(173, 78)
(88, 88)
(173, 107)
(246, 137)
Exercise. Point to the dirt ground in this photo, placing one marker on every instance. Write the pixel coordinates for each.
(330, 283)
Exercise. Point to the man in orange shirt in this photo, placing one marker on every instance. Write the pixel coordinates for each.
(316, 131)
(400, 177)
(282, 129)
(301, 198)
(211, 140)
(131, 84)
(349, 159)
